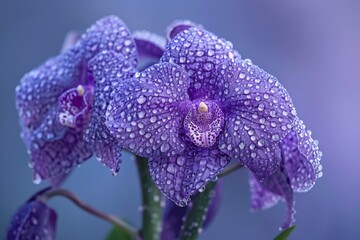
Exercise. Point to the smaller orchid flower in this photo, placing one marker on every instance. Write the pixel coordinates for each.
(201, 106)
(61, 105)
(33, 220)
(299, 169)
(174, 215)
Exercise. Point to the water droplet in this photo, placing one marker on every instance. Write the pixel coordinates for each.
(261, 142)
(31, 164)
(275, 137)
(183, 202)
(164, 147)
(242, 75)
(34, 221)
(211, 53)
(261, 107)
(180, 160)
(156, 198)
(153, 119)
(37, 179)
(141, 114)
(141, 99)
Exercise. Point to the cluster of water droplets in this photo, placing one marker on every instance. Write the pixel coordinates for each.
(302, 157)
(145, 115)
(183, 175)
(260, 114)
(34, 220)
(199, 52)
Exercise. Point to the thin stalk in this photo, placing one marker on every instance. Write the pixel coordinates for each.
(71, 196)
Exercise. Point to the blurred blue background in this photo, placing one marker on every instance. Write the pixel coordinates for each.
(311, 46)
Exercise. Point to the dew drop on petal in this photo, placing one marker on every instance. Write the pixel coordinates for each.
(180, 160)
(37, 179)
(275, 137)
(141, 99)
(164, 147)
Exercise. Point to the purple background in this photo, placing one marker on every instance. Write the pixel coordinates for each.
(311, 46)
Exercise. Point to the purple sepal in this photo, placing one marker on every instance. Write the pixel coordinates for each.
(178, 26)
(265, 194)
(33, 220)
(260, 113)
(109, 69)
(149, 44)
(174, 215)
(301, 157)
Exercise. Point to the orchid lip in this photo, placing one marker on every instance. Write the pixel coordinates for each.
(203, 123)
(74, 103)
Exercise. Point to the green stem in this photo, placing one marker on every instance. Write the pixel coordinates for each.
(152, 202)
(192, 226)
(71, 196)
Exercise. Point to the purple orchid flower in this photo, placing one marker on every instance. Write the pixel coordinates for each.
(299, 169)
(33, 220)
(201, 106)
(61, 106)
(174, 215)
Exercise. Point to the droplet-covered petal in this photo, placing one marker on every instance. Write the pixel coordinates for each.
(58, 156)
(265, 194)
(33, 220)
(109, 34)
(108, 69)
(40, 89)
(301, 158)
(109, 155)
(181, 176)
(259, 115)
(146, 111)
(261, 198)
(149, 44)
(199, 52)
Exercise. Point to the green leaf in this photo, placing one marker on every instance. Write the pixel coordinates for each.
(151, 200)
(192, 226)
(118, 234)
(285, 234)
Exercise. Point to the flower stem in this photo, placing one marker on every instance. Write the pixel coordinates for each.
(71, 196)
(230, 169)
(192, 226)
(152, 202)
